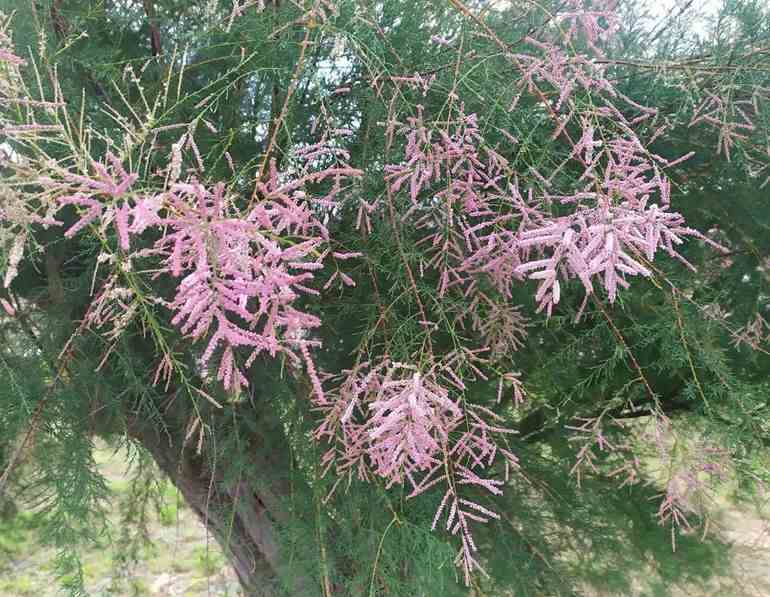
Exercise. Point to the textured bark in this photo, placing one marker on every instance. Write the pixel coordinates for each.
(240, 520)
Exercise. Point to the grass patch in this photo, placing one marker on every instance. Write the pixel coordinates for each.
(208, 561)
(17, 537)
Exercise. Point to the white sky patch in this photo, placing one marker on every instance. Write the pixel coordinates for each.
(699, 12)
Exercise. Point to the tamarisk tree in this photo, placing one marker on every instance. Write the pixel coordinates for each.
(406, 298)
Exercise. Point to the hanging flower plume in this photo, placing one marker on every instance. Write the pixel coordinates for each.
(237, 281)
(392, 421)
(242, 275)
(501, 326)
(17, 217)
(734, 119)
(472, 226)
(17, 214)
(476, 222)
(409, 422)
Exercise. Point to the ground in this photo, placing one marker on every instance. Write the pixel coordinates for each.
(184, 561)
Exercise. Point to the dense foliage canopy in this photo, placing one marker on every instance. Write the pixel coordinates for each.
(406, 297)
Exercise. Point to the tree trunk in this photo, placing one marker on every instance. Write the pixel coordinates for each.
(243, 523)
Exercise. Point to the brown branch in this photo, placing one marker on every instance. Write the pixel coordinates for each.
(57, 20)
(53, 262)
(152, 19)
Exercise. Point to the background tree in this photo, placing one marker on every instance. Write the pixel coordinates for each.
(404, 297)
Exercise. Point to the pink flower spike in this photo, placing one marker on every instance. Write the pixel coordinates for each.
(7, 307)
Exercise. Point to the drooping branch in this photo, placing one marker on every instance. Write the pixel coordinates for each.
(537, 425)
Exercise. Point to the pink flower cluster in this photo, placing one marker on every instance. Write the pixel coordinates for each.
(596, 21)
(732, 119)
(471, 225)
(237, 281)
(241, 273)
(110, 181)
(451, 183)
(395, 422)
(607, 241)
(17, 217)
(565, 73)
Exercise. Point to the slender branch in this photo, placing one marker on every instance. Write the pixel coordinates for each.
(278, 123)
(668, 21)
(466, 12)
